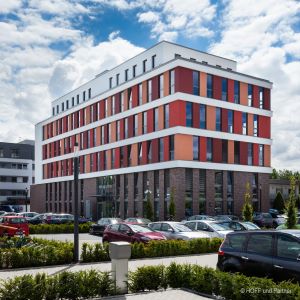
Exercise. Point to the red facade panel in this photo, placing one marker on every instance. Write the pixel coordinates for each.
(117, 158)
(155, 150)
(91, 133)
(224, 119)
(202, 148)
(144, 153)
(230, 90)
(196, 116)
(150, 124)
(264, 127)
(255, 155)
(135, 96)
(94, 162)
(217, 87)
(217, 150)
(243, 153)
(102, 109)
(130, 126)
(237, 122)
(81, 117)
(65, 120)
(125, 158)
(255, 96)
(122, 129)
(85, 138)
(117, 103)
(183, 80)
(177, 113)
(102, 160)
(267, 100)
(166, 148)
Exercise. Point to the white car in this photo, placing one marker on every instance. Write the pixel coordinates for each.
(28, 215)
(212, 228)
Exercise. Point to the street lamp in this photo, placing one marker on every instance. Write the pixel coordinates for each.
(26, 194)
(76, 217)
(260, 197)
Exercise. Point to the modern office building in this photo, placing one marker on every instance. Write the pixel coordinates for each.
(16, 173)
(169, 118)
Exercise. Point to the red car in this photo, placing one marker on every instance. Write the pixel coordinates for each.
(130, 233)
(13, 225)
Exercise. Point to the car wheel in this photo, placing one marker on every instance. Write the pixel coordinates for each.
(230, 269)
(91, 231)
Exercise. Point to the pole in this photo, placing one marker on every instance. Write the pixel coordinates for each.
(76, 231)
(26, 192)
(260, 198)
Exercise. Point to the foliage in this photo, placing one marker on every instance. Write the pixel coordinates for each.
(290, 208)
(298, 202)
(279, 202)
(285, 174)
(172, 208)
(209, 281)
(247, 210)
(99, 252)
(149, 207)
(57, 228)
(66, 285)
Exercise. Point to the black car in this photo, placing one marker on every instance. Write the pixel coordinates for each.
(100, 226)
(263, 219)
(274, 254)
(38, 219)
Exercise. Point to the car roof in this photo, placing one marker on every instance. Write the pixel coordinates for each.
(13, 217)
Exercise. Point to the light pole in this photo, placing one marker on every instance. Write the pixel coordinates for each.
(76, 231)
(260, 197)
(26, 194)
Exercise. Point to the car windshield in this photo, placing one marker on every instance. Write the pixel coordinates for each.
(115, 221)
(181, 228)
(226, 225)
(17, 220)
(137, 228)
(249, 225)
(217, 227)
(144, 220)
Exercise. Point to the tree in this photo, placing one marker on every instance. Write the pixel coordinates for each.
(279, 202)
(172, 208)
(149, 207)
(274, 174)
(247, 207)
(298, 202)
(291, 209)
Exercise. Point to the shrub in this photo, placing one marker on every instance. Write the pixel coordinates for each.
(57, 228)
(291, 210)
(247, 209)
(279, 202)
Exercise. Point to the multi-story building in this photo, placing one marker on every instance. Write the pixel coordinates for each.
(16, 172)
(170, 117)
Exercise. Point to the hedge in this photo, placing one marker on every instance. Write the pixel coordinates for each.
(66, 285)
(99, 252)
(57, 228)
(34, 252)
(212, 282)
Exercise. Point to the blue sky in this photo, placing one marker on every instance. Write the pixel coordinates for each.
(48, 47)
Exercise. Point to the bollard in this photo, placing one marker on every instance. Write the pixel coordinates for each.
(119, 253)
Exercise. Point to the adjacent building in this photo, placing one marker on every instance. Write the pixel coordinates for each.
(170, 118)
(16, 173)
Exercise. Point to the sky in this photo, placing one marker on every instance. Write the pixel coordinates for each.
(49, 47)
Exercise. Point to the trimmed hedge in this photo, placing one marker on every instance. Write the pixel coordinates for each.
(66, 285)
(34, 252)
(99, 252)
(212, 282)
(57, 228)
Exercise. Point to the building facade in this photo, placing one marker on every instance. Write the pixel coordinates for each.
(16, 172)
(171, 118)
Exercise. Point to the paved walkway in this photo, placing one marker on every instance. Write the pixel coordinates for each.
(209, 260)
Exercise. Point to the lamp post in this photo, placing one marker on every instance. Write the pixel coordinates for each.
(260, 197)
(26, 194)
(76, 231)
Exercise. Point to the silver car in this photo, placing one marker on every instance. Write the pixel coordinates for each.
(176, 231)
(212, 228)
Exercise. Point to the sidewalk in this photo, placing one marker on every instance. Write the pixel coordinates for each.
(209, 260)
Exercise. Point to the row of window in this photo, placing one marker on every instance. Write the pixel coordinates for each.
(19, 179)
(8, 165)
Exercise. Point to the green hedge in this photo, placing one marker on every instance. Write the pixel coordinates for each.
(57, 228)
(66, 285)
(212, 282)
(34, 252)
(99, 252)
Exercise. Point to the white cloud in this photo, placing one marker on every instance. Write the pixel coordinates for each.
(148, 17)
(10, 6)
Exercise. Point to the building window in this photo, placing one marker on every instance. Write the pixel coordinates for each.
(209, 149)
(188, 192)
(153, 61)
(144, 122)
(102, 135)
(77, 96)
(196, 83)
(189, 114)
(126, 128)
(236, 152)
(90, 93)
(250, 94)
(172, 81)
(144, 65)
(83, 95)
(73, 101)
(218, 192)
(140, 95)
(140, 149)
(261, 155)
(224, 151)
(126, 75)
(118, 130)
(202, 113)
(156, 119)
(63, 106)
(161, 149)
(230, 206)
(67, 104)
(195, 148)
(113, 104)
(166, 115)
(261, 97)
(230, 121)
(57, 109)
(106, 108)
(53, 111)
(224, 89)
(129, 98)
(118, 79)
(122, 101)
(218, 119)
(250, 154)
(244, 120)
(135, 125)
(202, 191)
(209, 86)
(14, 153)
(236, 92)
(161, 86)
(134, 71)
(110, 82)
(149, 90)
(255, 125)
(171, 147)
(149, 151)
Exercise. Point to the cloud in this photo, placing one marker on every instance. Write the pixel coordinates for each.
(9, 6)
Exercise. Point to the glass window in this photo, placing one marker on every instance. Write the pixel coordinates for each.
(62, 107)
(224, 89)
(261, 155)
(144, 65)
(166, 115)
(189, 114)
(153, 61)
(135, 125)
(149, 90)
(260, 244)
(250, 154)
(113, 103)
(230, 121)
(218, 192)
(250, 94)
(188, 192)
(209, 149)
(172, 82)
(195, 148)
(161, 86)
(236, 152)
(196, 83)
(110, 82)
(244, 120)
(144, 122)
(118, 130)
(209, 86)
(261, 97)
(202, 191)
(117, 79)
(230, 185)
(236, 92)
(237, 241)
(122, 102)
(83, 96)
(140, 96)
(218, 119)
(288, 247)
(255, 125)
(224, 151)
(156, 119)
(149, 151)
(129, 98)
(140, 152)
(171, 147)
(134, 71)
(202, 108)
(126, 128)
(161, 149)
(126, 75)
(77, 99)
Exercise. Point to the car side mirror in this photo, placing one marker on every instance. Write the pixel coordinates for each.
(129, 232)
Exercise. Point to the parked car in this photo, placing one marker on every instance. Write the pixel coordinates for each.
(130, 233)
(13, 225)
(226, 218)
(2, 212)
(283, 226)
(64, 218)
(38, 219)
(99, 227)
(262, 253)
(238, 225)
(211, 228)
(176, 231)
(11, 213)
(263, 219)
(28, 215)
(7, 208)
(198, 217)
(138, 220)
